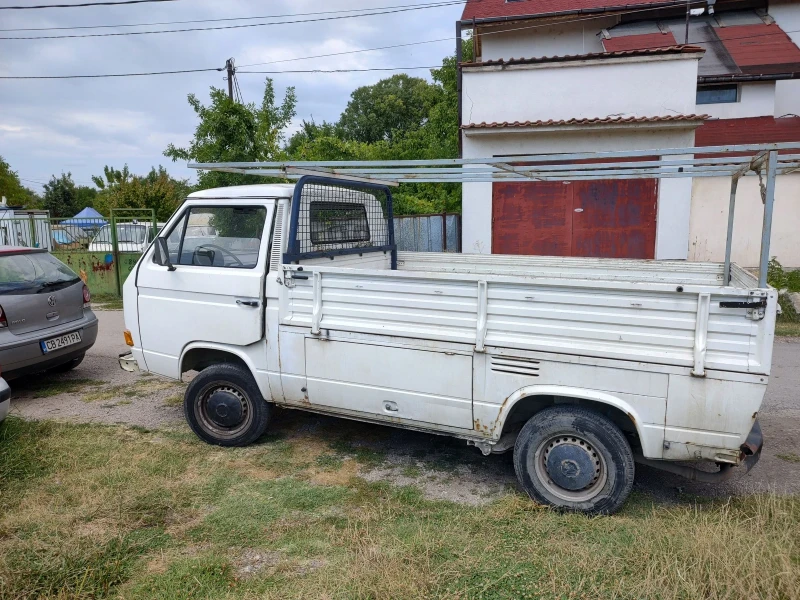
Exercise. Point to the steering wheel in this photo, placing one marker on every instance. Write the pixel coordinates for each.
(221, 249)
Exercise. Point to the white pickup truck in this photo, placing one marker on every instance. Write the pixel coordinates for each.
(581, 366)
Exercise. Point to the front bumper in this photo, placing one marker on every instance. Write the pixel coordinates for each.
(5, 399)
(128, 363)
(23, 354)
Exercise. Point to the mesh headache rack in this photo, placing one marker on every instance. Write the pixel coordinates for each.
(345, 207)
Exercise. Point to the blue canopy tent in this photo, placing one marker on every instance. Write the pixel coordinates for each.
(88, 218)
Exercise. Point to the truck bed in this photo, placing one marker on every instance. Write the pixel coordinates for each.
(663, 312)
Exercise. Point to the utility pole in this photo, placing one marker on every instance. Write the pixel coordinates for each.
(231, 70)
(688, 12)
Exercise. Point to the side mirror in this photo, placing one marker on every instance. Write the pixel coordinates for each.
(162, 254)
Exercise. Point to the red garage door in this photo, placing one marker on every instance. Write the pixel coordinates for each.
(603, 218)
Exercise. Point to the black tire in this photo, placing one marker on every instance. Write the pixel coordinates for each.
(68, 366)
(211, 401)
(564, 447)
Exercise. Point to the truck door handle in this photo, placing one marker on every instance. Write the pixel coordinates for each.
(252, 303)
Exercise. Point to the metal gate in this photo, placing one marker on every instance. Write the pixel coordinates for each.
(101, 251)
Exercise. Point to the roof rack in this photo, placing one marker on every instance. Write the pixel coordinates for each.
(767, 161)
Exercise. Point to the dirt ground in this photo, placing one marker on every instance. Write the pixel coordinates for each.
(98, 391)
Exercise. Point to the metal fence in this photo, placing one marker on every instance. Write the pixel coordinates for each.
(101, 251)
(428, 233)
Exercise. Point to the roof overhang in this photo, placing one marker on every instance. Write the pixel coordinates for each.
(613, 123)
(625, 56)
(568, 13)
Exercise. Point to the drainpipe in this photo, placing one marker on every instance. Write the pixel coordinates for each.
(459, 56)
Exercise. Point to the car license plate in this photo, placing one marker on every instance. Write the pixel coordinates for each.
(60, 342)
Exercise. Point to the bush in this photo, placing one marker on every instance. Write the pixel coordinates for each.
(780, 279)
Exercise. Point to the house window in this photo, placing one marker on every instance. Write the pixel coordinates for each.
(717, 94)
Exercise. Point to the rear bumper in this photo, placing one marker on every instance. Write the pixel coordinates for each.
(750, 455)
(5, 399)
(24, 356)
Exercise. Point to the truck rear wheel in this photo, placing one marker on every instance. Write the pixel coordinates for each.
(224, 406)
(574, 459)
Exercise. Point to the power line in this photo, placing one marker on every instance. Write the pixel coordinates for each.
(221, 27)
(340, 70)
(448, 39)
(85, 4)
(151, 24)
(109, 74)
(213, 69)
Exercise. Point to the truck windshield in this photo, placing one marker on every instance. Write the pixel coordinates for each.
(30, 273)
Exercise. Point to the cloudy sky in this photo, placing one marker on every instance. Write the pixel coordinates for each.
(79, 125)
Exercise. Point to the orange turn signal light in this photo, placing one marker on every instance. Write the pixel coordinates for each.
(128, 337)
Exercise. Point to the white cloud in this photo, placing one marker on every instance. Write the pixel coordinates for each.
(81, 125)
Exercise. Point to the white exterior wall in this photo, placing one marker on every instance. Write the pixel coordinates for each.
(787, 15)
(654, 86)
(757, 100)
(555, 40)
(709, 222)
(596, 88)
(674, 195)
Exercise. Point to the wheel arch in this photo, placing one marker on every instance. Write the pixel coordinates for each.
(527, 401)
(201, 355)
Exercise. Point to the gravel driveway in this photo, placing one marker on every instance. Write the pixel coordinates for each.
(100, 392)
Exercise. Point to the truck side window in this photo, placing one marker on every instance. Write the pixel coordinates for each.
(227, 236)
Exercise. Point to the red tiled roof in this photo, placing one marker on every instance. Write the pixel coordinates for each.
(760, 49)
(589, 121)
(591, 56)
(488, 9)
(640, 42)
(752, 130)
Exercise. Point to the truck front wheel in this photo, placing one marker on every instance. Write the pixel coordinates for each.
(574, 459)
(224, 406)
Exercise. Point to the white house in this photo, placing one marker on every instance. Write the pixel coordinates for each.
(591, 75)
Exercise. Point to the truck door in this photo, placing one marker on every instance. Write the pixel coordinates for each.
(215, 292)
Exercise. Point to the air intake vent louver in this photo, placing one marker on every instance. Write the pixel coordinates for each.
(515, 365)
(277, 238)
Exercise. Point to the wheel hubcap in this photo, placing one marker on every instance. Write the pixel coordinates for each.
(224, 408)
(570, 468)
(571, 465)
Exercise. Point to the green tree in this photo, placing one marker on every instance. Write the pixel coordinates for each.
(60, 196)
(85, 196)
(11, 187)
(232, 132)
(396, 119)
(387, 109)
(156, 190)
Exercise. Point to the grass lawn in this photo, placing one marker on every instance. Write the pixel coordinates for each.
(787, 329)
(107, 301)
(110, 512)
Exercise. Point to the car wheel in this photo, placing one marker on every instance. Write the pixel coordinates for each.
(68, 366)
(224, 406)
(574, 459)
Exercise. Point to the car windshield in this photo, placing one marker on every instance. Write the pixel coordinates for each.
(33, 272)
(127, 233)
